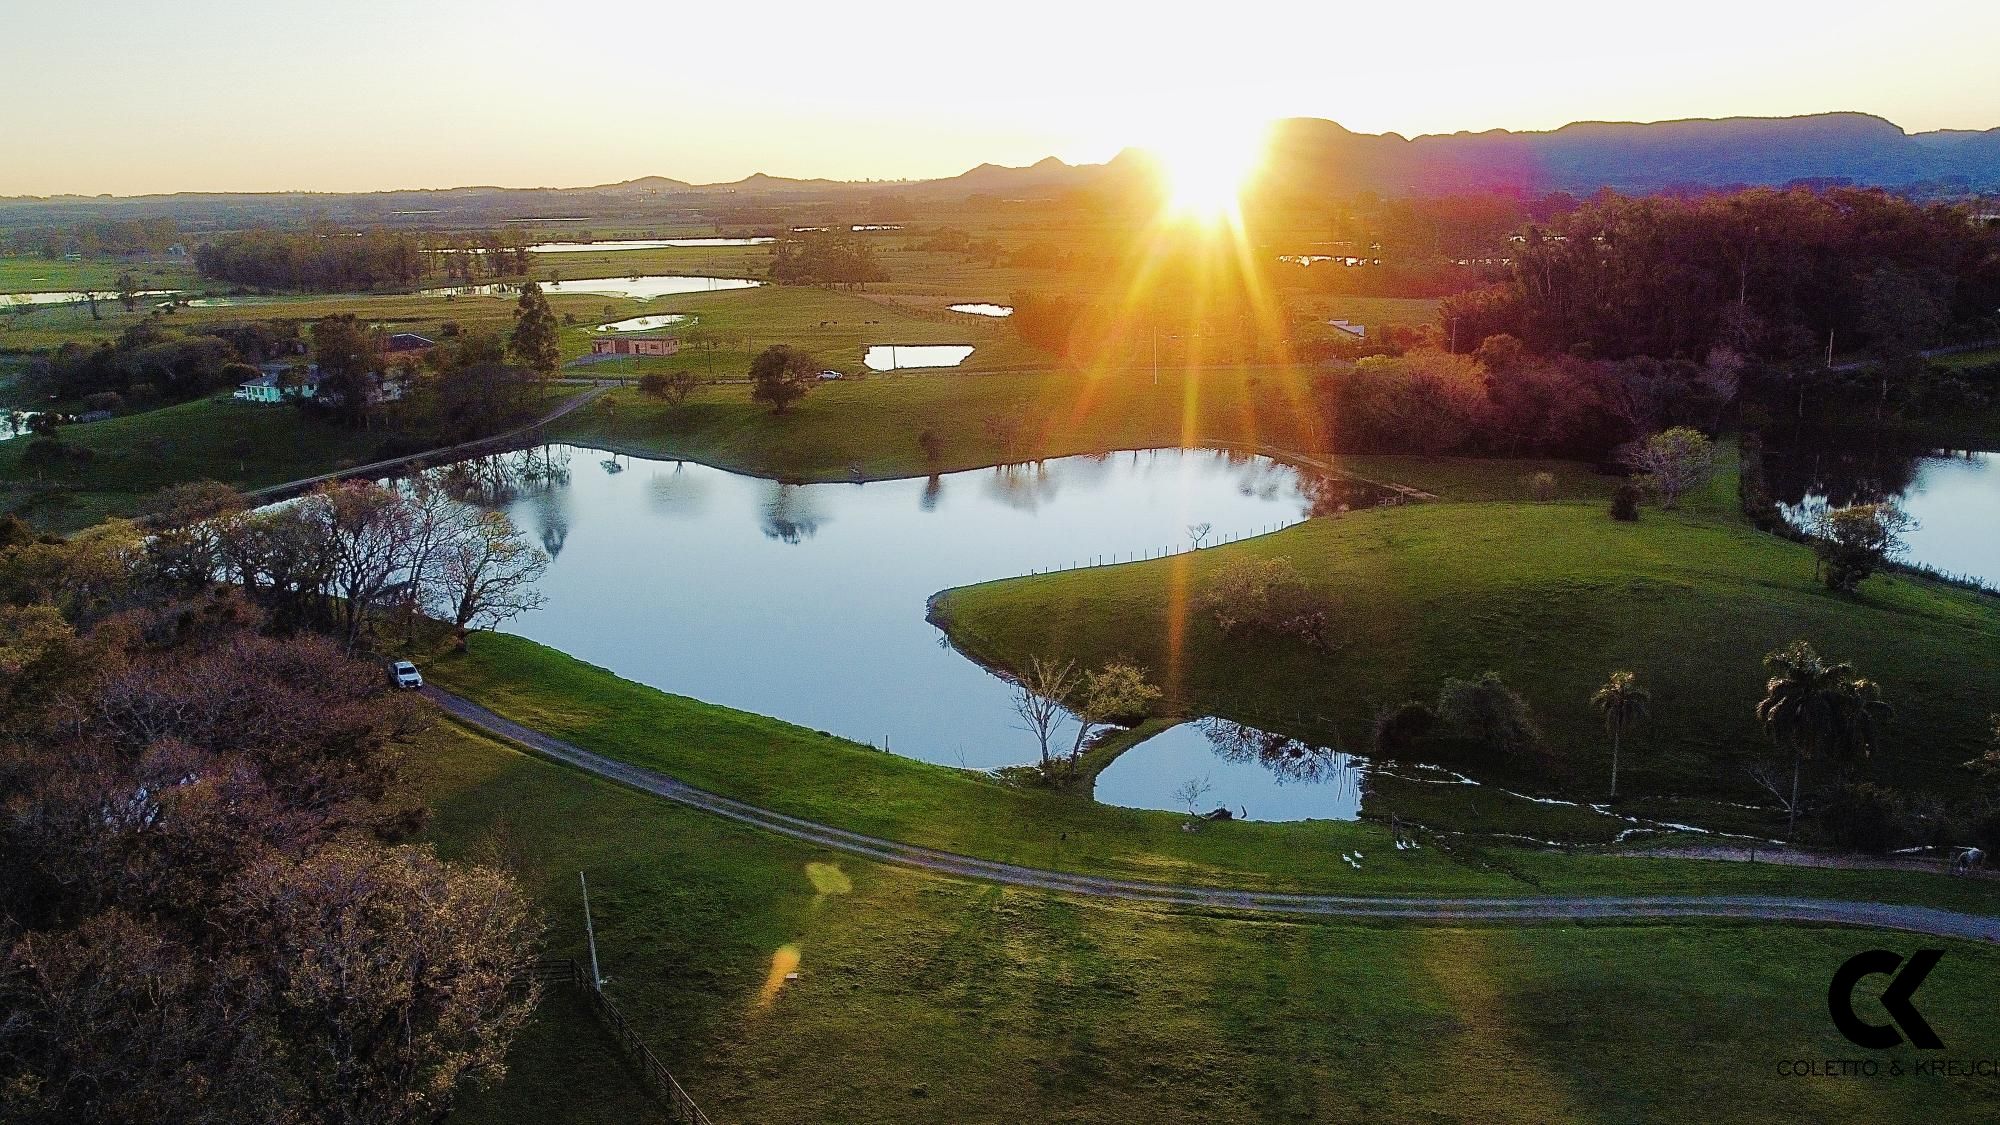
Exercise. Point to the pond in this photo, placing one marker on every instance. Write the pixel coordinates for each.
(1211, 763)
(983, 309)
(1954, 495)
(644, 323)
(896, 357)
(641, 244)
(74, 296)
(807, 602)
(640, 288)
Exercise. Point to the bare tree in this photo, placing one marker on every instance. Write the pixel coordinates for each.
(1198, 532)
(485, 573)
(1191, 792)
(1039, 691)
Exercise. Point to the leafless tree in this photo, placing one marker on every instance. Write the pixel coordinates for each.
(1191, 792)
(485, 572)
(1039, 691)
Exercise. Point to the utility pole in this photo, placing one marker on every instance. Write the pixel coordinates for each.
(590, 932)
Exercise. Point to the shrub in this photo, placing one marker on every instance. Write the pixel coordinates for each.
(1258, 595)
(1488, 712)
(1397, 729)
(1542, 486)
(932, 445)
(1853, 542)
(1863, 817)
(1625, 502)
(104, 400)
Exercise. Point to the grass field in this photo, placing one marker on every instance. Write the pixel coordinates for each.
(41, 275)
(922, 999)
(804, 773)
(870, 427)
(1553, 597)
(237, 443)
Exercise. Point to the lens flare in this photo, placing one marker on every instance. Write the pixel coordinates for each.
(1206, 169)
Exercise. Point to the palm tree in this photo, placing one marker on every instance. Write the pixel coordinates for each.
(1818, 709)
(1622, 702)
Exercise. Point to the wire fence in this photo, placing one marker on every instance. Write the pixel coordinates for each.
(1119, 558)
(680, 1107)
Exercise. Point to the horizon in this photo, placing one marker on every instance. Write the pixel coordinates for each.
(892, 181)
(340, 99)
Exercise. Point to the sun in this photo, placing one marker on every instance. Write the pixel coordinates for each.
(1205, 172)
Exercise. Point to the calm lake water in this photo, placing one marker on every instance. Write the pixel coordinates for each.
(807, 602)
(1954, 495)
(1253, 774)
(640, 288)
(643, 323)
(896, 357)
(983, 309)
(641, 244)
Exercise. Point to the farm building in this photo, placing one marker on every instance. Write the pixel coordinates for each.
(636, 345)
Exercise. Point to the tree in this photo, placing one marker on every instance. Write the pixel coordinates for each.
(1851, 543)
(533, 340)
(1622, 702)
(368, 534)
(1116, 690)
(1191, 792)
(128, 290)
(1818, 710)
(1250, 594)
(672, 388)
(485, 573)
(1039, 691)
(781, 375)
(1674, 462)
(1488, 712)
(349, 359)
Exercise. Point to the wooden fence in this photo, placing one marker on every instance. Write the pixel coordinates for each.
(680, 1107)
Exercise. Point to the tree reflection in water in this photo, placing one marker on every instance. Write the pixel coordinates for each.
(1288, 759)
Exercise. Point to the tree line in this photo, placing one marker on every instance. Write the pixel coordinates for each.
(327, 259)
(97, 238)
(212, 908)
(1776, 275)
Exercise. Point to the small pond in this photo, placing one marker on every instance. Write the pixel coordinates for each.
(73, 297)
(640, 288)
(1212, 763)
(641, 244)
(807, 602)
(896, 357)
(983, 309)
(1954, 495)
(644, 323)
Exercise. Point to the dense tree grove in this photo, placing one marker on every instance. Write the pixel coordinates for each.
(149, 363)
(826, 258)
(1772, 274)
(327, 259)
(97, 238)
(207, 913)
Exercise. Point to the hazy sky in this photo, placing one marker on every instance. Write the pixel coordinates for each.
(131, 96)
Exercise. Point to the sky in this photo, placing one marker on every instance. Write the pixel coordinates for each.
(139, 96)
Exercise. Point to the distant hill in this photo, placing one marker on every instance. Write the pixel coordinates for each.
(1309, 156)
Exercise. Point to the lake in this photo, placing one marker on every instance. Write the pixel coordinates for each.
(982, 309)
(807, 602)
(1954, 495)
(644, 323)
(641, 244)
(896, 357)
(1253, 774)
(640, 288)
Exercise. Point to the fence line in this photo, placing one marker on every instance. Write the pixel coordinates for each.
(1120, 558)
(680, 1107)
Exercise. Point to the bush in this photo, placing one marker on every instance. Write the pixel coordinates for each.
(1255, 595)
(1398, 729)
(1625, 502)
(932, 445)
(1542, 486)
(1863, 817)
(104, 400)
(1488, 712)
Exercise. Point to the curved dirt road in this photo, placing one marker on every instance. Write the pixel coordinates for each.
(1539, 908)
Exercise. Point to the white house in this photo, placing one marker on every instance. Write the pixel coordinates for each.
(270, 385)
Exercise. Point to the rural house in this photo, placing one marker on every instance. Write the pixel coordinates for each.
(636, 345)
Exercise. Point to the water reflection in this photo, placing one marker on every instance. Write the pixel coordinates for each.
(1954, 495)
(807, 601)
(1213, 763)
(642, 287)
(897, 357)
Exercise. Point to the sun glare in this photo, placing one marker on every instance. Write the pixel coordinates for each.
(1206, 171)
